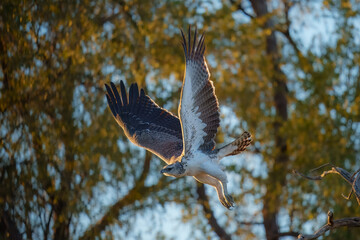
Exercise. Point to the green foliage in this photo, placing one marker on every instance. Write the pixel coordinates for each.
(67, 170)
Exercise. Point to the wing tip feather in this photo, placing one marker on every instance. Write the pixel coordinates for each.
(193, 49)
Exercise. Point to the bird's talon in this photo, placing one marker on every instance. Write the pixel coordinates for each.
(229, 200)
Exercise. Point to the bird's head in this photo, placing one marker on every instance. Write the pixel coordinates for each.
(176, 169)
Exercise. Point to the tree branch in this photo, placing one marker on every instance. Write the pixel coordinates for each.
(209, 214)
(332, 224)
(240, 8)
(352, 179)
(315, 178)
(286, 32)
(284, 234)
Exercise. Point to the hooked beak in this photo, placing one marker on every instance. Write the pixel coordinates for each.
(162, 171)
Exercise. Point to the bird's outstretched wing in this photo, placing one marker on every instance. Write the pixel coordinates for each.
(199, 107)
(145, 123)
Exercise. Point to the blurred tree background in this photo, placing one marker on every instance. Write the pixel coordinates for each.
(287, 71)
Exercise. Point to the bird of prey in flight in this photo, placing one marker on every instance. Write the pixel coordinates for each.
(186, 143)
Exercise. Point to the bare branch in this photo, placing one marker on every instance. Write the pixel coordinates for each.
(332, 224)
(324, 165)
(352, 179)
(316, 178)
(349, 196)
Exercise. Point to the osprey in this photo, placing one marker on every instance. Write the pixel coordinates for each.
(186, 143)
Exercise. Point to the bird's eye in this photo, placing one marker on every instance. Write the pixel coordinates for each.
(170, 168)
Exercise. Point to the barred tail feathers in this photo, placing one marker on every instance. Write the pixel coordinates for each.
(236, 147)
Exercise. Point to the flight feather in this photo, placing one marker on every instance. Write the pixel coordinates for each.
(199, 107)
(145, 123)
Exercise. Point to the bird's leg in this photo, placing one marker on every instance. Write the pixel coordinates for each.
(215, 171)
(228, 197)
(207, 179)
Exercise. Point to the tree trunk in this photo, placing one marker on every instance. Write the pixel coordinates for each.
(277, 175)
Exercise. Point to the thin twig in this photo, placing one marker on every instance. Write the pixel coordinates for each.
(317, 168)
(316, 178)
(349, 196)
